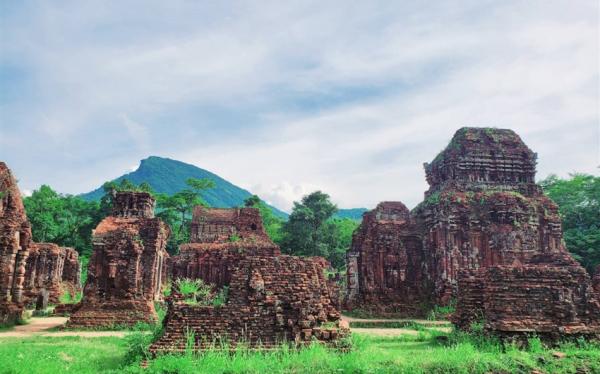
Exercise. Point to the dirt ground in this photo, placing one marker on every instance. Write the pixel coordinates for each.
(441, 326)
(39, 326)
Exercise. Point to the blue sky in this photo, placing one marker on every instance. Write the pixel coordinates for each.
(286, 97)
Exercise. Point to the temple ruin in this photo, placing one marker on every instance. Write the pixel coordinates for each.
(15, 238)
(272, 298)
(482, 214)
(127, 267)
(51, 269)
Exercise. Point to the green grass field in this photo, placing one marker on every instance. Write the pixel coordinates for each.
(427, 352)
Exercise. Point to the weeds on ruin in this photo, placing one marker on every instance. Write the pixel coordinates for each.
(221, 297)
(197, 292)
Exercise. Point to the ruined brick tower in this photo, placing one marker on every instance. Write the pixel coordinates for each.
(385, 263)
(15, 238)
(125, 272)
(482, 209)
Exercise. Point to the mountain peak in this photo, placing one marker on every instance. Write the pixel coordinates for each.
(168, 176)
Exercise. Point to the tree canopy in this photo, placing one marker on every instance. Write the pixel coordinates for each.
(578, 199)
(176, 210)
(311, 230)
(62, 219)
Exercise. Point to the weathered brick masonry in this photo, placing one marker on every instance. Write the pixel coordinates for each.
(126, 269)
(551, 296)
(53, 269)
(385, 264)
(15, 238)
(272, 297)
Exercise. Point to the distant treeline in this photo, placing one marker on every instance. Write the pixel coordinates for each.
(310, 230)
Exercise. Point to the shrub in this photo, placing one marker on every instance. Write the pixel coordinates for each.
(197, 292)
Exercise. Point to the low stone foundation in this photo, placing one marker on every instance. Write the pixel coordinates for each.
(551, 296)
(110, 313)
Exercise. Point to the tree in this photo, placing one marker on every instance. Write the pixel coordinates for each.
(271, 223)
(578, 200)
(62, 219)
(310, 230)
(176, 210)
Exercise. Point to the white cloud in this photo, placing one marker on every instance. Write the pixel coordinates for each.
(282, 194)
(298, 95)
(138, 133)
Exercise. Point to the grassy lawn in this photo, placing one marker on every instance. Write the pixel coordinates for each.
(427, 352)
(61, 355)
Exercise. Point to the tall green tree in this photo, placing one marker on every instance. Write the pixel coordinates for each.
(62, 219)
(176, 210)
(311, 231)
(578, 199)
(271, 223)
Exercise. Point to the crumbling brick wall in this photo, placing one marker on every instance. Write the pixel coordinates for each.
(551, 296)
(53, 269)
(271, 300)
(272, 297)
(15, 238)
(214, 262)
(126, 267)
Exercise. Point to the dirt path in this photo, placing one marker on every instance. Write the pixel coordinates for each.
(40, 326)
(441, 326)
(424, 322)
